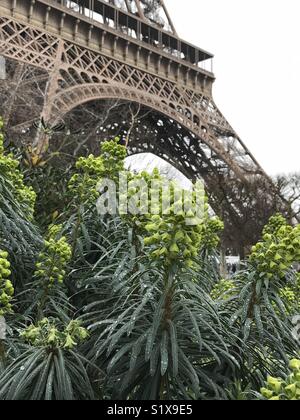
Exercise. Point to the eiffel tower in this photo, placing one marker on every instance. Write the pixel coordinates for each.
(129, 50)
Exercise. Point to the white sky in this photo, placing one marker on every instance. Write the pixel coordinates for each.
(257, 65)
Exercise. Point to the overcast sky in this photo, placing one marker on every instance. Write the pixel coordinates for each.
(257, 65)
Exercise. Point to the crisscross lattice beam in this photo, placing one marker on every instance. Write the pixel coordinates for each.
(88, 61)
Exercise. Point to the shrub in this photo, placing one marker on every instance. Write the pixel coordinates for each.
(278, 389)
(133, 307)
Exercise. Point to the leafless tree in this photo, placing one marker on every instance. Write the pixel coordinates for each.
(22, 95)
(260, 201)
(289, 186)
(244, 208)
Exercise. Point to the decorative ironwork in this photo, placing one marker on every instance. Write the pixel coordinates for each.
(95, 50)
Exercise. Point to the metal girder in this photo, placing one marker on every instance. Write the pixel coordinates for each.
(88, 61)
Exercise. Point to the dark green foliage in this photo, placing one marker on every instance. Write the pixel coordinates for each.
(18, 234)
(50, 184)
(41, 375)
(102, 310)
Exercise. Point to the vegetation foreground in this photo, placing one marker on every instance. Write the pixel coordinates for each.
(119, 307)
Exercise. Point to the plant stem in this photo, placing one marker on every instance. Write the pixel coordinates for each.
(2, 352)
(167, 316)
(162, 388)
(75, 232)
(253, 302)
(42, 302)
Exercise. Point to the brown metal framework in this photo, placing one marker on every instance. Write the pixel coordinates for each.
(95, 50)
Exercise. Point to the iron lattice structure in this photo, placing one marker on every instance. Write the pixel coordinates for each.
(129, 49)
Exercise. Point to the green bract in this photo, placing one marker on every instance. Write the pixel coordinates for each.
(53, 260)
(278, 389)
(9, 169)
(141, 188)
(278, 251)
(178, 233)
(47, 333)
(211, 229)
(174, 224)
(156, 330)
(224, 290)
(92, 169)
(113, 156)
(291, 296)
(6, 287)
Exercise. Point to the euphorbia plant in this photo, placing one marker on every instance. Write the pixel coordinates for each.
(131, 300)
(9, 168)
(47, 333)
(84, 187)
(157, 307)
(284, 389)
(274, 256)
(53, 260)
(6, 287)
(92, 169)
(6, 296)
(47, 285)
(50, 365)
(18, 234)
(262, 304)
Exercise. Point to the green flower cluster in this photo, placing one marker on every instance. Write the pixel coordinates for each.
(291, 296)
(177, 234)
(9, 169)
(48, 334)
(53, 260)
(84, 184)
(113, 155)
(288, 295)
(275, 224)
(279, 249)
(224, 290)
(84, 188)
(141, 188)
(6, 287)
(92, 169)
(283, 390)
(211, 230)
